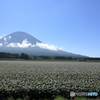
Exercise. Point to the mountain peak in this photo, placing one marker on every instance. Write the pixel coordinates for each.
(22, 42)
(18, 37)
(19, 32)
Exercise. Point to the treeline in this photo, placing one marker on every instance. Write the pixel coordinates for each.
(65, 58)
(93, 58)
(10, 55)
(26, 56)
(54, 57)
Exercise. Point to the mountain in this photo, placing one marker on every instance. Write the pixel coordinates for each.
(21, 42)
(18, 37)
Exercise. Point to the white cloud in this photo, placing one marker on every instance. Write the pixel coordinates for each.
(26, 44)
(5, 39)
(60, 48)
(11, 45)
(1, 37)
(9, 37)
(46, 46)
(1, 44)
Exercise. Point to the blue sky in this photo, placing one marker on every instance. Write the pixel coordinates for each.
(71, 24)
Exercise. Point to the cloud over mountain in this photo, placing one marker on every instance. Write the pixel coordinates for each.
(1, 37)
(21, 42)
(46, 46)
(5, 38)
(1, 44)
(26, 44)
(9, 37)
(60, 48)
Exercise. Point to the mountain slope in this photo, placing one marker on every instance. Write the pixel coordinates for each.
(19, 37)
(21, 42)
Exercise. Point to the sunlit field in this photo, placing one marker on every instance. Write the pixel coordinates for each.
(45, 80)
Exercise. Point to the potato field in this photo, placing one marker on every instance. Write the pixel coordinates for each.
(40, 80)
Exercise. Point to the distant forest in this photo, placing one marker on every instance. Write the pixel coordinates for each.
(4, 55)
(10, 55)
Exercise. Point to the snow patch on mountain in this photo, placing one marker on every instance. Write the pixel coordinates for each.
(9, 37)
(5, 38)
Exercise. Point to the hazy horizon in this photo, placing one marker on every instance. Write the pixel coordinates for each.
(70, 25)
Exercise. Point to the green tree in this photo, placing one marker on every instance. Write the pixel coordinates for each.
(24, 56)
